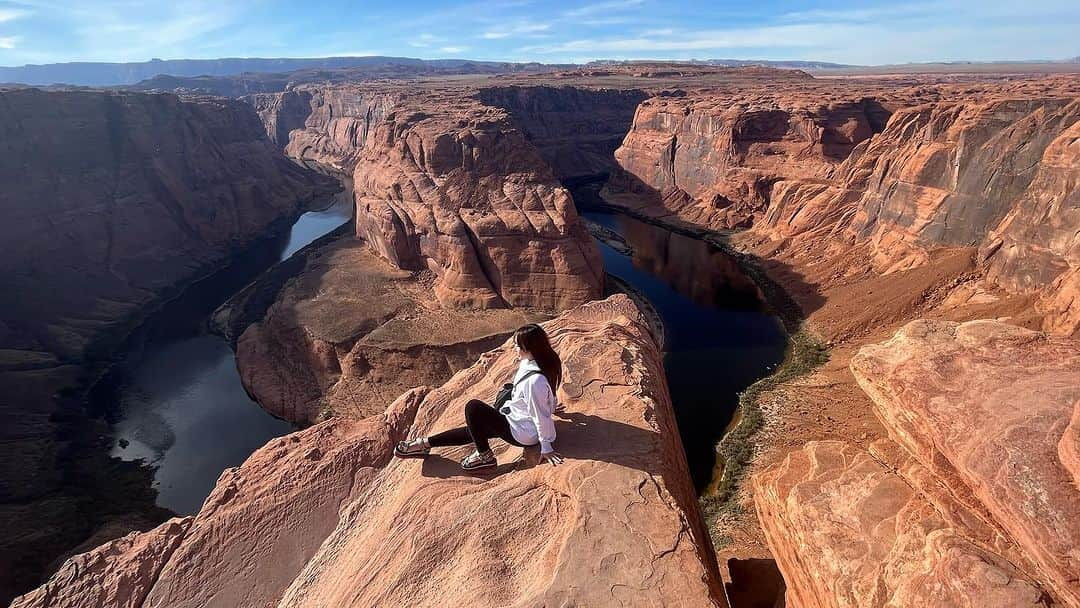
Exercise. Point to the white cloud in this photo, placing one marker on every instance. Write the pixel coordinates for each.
(8, 42)
(516, 29)
(453, 49)
(602, 7)
(425, 40)
(845, 42)
(672, 40)
(11, 14)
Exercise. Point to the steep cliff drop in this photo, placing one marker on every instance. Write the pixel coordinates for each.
(332, 520)
(111, 201)
(887, 182)
(973, 499)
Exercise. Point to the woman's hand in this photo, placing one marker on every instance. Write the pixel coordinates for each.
(553, 457)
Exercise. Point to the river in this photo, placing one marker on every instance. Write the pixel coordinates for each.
(719, 336)
(175, 399)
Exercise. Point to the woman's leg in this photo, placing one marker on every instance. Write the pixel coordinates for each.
(482, 422)
(458, 436)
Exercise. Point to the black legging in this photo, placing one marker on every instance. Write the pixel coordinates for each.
(482, 422)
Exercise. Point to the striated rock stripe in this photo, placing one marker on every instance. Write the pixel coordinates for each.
(712, 158)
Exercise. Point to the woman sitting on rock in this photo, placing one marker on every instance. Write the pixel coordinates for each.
(522, 413)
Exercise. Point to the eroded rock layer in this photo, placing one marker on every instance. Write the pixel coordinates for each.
(444, 183)
(847, 529)
(972, 501)
(712, 160)
(326, 517)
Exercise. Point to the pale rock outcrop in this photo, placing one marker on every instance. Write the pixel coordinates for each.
(990, 409)
(848, 529)
(325, 517)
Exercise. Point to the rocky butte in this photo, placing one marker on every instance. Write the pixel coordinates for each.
(923, 229)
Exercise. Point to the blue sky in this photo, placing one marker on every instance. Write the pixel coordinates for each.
(45, 31)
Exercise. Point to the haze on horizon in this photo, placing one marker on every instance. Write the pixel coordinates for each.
(51, 31)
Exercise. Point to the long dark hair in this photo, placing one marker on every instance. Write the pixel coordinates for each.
(533, 340)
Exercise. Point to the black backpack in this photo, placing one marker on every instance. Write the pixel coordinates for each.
(507, 391)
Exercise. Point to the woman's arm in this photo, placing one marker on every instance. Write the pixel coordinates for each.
(541, 404)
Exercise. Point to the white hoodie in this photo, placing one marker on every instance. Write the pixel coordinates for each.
(530, 407)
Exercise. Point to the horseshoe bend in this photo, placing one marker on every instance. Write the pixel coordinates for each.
(818, 336)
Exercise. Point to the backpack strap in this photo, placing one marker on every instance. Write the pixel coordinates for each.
(523, 378)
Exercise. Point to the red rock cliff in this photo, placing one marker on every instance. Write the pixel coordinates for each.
(989, 167)
(713, 159)
(973, 500)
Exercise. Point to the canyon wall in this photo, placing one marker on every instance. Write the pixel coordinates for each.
(446, 184)
(712, 160)
(973, 499)
(345, 332)
(110, 201)
(111, 198)
(575, 129)
(326, 517)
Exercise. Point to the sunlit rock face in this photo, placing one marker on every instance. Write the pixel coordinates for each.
(892, 173)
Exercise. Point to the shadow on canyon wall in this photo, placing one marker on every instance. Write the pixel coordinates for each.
(793, 302)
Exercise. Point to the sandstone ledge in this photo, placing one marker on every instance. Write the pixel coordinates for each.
(325, 517)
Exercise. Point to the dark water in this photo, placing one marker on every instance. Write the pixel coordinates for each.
(176, 400)
(719, 339)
